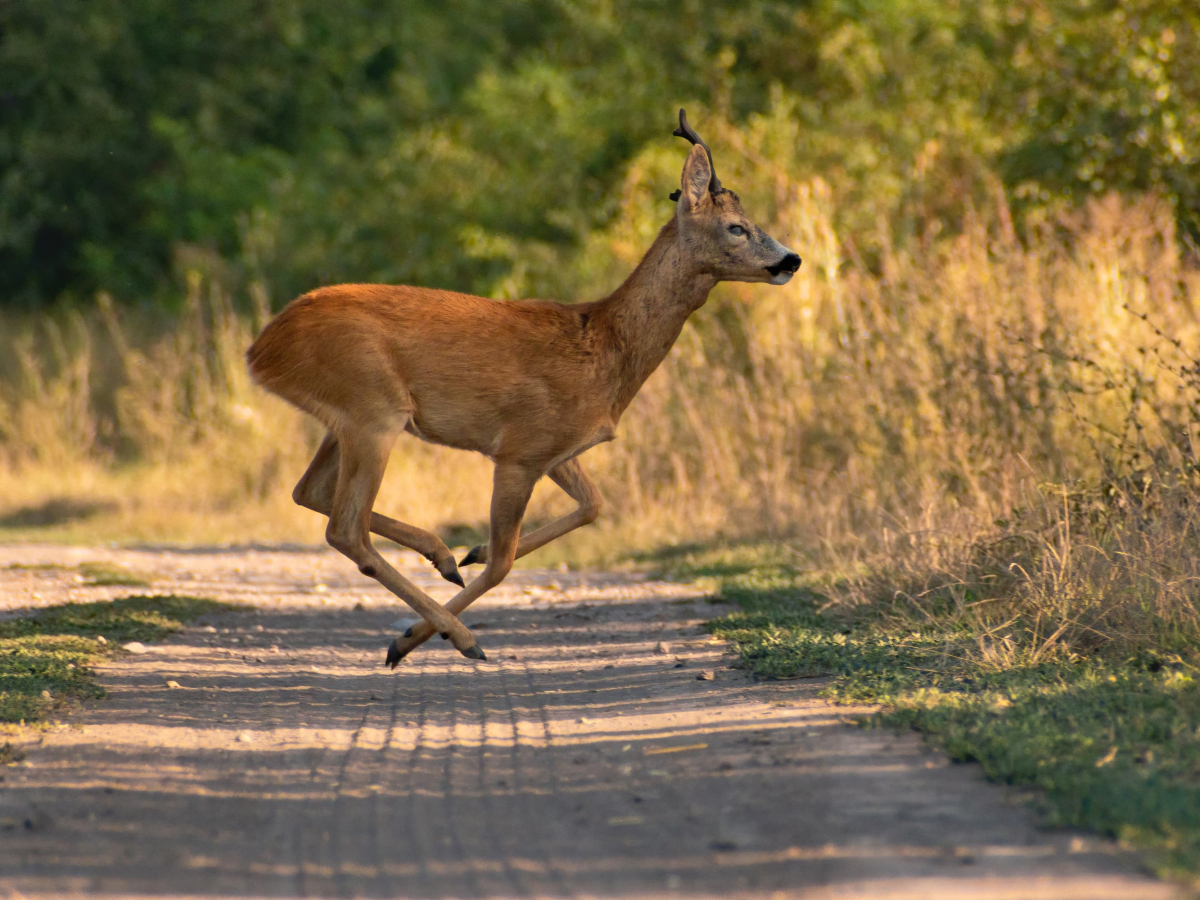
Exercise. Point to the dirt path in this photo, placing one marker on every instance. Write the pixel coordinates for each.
(579, 762)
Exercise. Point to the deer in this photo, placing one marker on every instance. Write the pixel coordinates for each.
(530, 384)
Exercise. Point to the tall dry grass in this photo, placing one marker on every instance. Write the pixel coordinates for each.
(970, 418)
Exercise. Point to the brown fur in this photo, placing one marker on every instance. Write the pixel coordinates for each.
(531, 384)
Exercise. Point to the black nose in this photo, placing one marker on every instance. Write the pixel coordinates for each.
(789, 264)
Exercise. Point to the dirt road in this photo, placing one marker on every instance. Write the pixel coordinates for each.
(590, 757)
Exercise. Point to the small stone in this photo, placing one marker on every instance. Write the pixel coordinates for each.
(706, 675)
(134, 647)
(209, 629)
(101, 639)
(174, 685)
(46, 695)
(259, 628)
(245, 737)
(662, 648)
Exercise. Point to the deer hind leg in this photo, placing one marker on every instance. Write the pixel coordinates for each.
(571, 477)
(512, 487)
(315, 491)
(361, 463)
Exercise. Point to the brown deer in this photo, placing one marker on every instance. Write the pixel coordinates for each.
(531, 384)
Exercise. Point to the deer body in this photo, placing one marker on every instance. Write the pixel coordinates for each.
(530, 384)
(487, 389)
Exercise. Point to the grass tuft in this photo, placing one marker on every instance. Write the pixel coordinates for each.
(93, 574)
(45, 659)
(103, 574)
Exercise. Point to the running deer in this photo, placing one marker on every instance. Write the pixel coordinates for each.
(531, 384)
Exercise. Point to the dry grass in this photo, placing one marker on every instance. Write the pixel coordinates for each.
(893, 419)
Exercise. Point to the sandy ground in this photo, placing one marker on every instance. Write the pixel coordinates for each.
(590, 757)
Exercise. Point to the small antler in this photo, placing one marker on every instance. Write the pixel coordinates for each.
(686, 131)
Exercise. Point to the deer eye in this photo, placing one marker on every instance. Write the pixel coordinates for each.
(737, 230)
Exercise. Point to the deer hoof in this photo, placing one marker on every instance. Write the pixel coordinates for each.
(475, 652)
(394, 656)
(477, 554)
(449, 570)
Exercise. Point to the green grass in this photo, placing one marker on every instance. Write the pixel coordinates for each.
(45, 659)
(103, 574)
(93, 574)
(1112, 742)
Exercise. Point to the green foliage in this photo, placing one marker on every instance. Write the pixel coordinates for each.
(45, 658)
(1109, 738)
(465, 144)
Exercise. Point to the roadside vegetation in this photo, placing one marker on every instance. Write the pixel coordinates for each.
(46, 658)
(1074, 670)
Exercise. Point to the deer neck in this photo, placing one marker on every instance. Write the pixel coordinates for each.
(646, 314)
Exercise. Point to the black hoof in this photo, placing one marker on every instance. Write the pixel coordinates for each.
(475, 652)
(394, 656)
(449, 571)
(477, 554)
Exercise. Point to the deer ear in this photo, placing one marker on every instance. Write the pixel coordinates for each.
(697, 176)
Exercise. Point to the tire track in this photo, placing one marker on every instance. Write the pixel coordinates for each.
(492, 804)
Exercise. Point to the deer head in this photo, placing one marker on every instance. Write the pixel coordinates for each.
(712, 224)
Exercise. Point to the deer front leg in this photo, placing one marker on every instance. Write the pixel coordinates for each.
(363, 458)
(511, 488)
(571, 477)
(315, 490)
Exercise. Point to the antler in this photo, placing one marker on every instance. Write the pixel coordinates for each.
(686, 131)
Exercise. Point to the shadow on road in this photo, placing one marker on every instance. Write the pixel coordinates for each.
(578, 761)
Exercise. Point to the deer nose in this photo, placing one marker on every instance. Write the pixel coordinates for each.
(789, 264)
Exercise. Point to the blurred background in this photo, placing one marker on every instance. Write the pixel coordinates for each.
(993, 331)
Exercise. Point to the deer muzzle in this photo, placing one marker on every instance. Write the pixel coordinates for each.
(782, 271)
